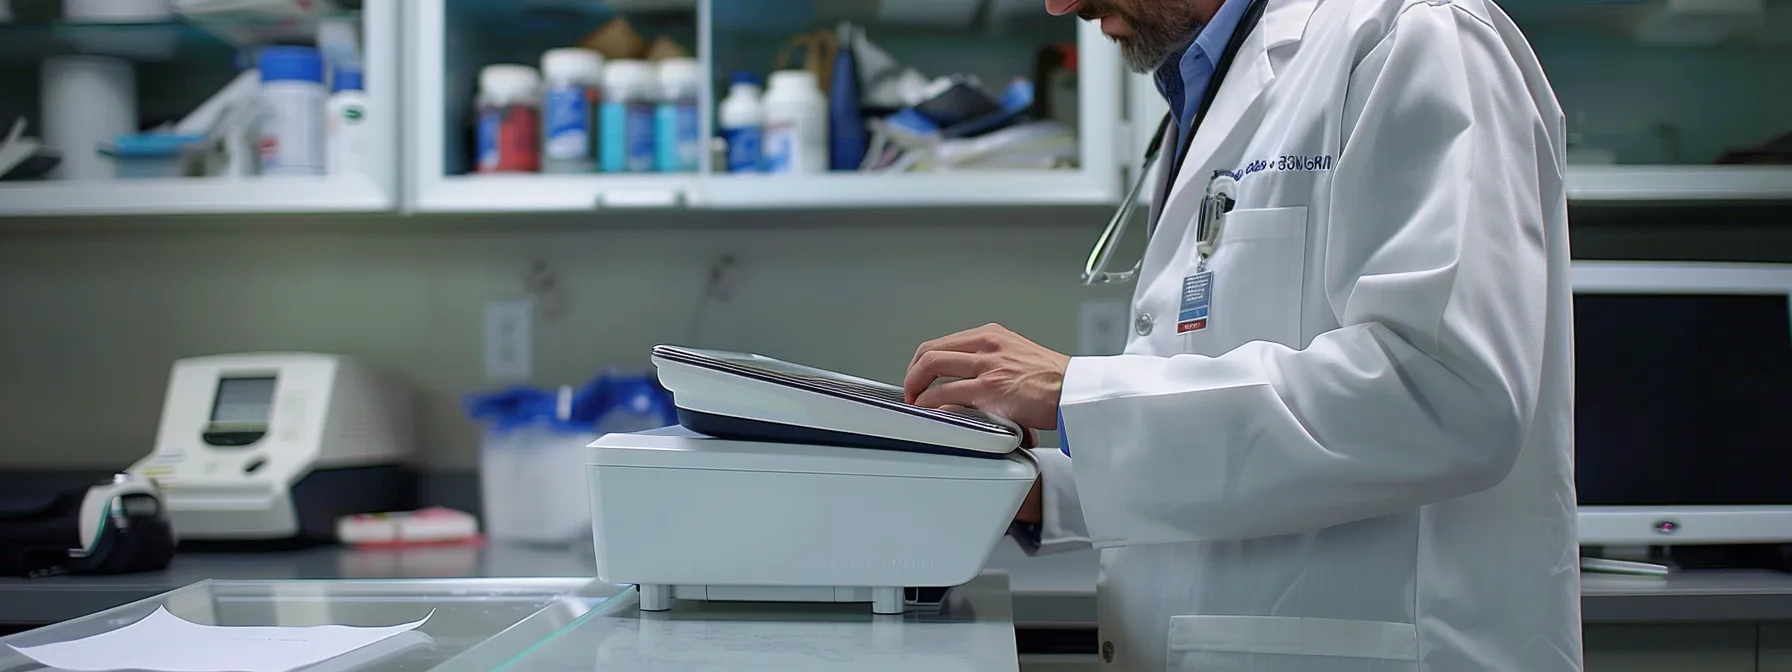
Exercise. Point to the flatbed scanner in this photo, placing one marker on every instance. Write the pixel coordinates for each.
(793, 484)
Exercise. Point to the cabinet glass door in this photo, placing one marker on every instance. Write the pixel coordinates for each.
(135, 108)
(1667, 101)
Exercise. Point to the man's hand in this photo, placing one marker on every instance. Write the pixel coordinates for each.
(997, 371)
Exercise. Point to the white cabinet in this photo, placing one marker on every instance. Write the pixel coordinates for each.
(175, 63)
(1658, 110)
(996, 41)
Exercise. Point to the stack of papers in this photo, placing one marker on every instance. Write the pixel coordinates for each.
(163, 642)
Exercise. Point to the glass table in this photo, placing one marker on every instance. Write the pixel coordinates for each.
(553, 624)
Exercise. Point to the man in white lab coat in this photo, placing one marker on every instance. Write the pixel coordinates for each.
(1340, 438)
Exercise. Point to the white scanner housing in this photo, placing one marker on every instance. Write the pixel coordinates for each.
(275, 446)
(684, 516)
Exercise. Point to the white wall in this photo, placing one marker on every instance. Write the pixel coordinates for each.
(92, 319)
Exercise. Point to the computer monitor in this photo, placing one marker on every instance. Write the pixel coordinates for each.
(1683, 403)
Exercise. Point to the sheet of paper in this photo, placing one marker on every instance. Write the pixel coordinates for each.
(163, 642)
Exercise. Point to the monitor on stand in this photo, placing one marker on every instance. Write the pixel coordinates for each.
(1683, 404)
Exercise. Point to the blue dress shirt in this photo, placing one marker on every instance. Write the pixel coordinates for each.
(1183, 82)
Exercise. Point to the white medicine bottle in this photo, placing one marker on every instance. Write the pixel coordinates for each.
(346, 126)
(572, 78)
(741, 118)
(796, 124)
(293, 96)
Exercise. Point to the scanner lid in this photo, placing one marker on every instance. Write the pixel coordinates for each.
(679, 448)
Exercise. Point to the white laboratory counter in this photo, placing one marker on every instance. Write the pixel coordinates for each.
(1054, 592)
(550, 624)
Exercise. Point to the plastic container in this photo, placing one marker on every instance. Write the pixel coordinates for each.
(346, 126)
(293, 96)
(532, 457)
(626, 125)
(87, 102)
(574, 78)
(741, 118)
(796, 124)
(119, 11)
(149, 156)
(531, 482)
(509, 119)
(678, 142)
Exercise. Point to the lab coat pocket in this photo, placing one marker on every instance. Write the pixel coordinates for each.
(1210, 643)
(1257, 270)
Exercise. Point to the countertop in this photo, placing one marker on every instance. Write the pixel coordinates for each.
(548, 625)
(1049, 592)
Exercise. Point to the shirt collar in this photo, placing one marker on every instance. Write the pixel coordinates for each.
(1202, 55)
(1211, 41)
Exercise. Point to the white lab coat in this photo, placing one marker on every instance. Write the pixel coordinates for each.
(1364, 461)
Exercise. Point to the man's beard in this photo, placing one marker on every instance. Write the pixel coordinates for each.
(1149, 49)
(1160, 29)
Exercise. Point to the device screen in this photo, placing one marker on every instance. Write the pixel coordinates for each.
(244, 400)
(1683, 400)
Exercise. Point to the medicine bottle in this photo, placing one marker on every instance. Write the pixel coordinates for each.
(509, 119)
(741, 118)
(574, 78)
(293, 97)
(629, 98)
(796, 124)
(677, 139)
(346, 125)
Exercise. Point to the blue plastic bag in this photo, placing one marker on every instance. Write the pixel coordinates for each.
(620, 400)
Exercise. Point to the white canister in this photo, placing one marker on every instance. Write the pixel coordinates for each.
(796, 124)
(120, 11)
(88, 101)
(293, 97)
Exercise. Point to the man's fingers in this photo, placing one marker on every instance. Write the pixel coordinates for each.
(956, 393)
(981, 339)
(937, 364)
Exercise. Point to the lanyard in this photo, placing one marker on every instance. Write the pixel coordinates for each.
(1253, 15)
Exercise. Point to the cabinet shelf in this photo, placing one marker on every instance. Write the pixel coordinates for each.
(179, 38)
(1679, 184)
(556, 193)
(837, 190)
(194, 196)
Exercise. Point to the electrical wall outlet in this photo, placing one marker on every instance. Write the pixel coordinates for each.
(508, 340)
(1101, 326)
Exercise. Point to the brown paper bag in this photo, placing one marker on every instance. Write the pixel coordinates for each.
(665, 48)
(615, 40)
(817, 54)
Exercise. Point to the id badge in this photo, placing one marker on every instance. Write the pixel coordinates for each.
(1197, 302)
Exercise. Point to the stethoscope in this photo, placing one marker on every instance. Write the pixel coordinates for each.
(1095, 269)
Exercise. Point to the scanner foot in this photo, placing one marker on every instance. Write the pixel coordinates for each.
(655, 597)
(887, 600)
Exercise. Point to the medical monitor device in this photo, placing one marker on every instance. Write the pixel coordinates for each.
(277, 446)
(1683, 403)
(749, 397)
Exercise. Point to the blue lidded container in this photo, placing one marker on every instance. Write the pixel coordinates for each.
(291, 64)
(142, 156)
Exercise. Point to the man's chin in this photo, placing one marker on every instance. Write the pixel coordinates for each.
(1135, 59)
